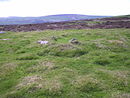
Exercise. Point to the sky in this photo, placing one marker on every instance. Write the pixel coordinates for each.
(51, 7)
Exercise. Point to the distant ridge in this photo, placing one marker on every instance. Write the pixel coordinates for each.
(46, 19)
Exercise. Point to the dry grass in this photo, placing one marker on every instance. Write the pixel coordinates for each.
(41, 67)
(7, 68)
(116, 41)
(53, 86)
(116, 73)
(99, 43)
(46, 64)
(87, 83)
(120, 76)
(121, 95)
(29, 80)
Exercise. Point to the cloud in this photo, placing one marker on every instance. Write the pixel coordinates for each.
(50, 7)
(4, 0)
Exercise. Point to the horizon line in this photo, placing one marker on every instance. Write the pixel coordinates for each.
(55, 15)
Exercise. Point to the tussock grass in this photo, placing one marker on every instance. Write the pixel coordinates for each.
(125, 95)
(87, 84)
(65, 50)
(27, 57)
(99, 67)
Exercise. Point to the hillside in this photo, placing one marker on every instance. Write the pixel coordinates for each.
(45, 19)
(75, 59)
(102, 23)
(90, 63)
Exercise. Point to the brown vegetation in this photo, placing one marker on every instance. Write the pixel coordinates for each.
(106, 23)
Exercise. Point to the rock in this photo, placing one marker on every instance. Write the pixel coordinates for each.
(42, 42)
(64, 35)
(4, 39)
(2, 32)
(54, 38)
(74, 41)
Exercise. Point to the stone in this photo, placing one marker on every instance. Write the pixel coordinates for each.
(2, 32)
(4, 39)
(74, 41)
(54, 38)
(42, 42)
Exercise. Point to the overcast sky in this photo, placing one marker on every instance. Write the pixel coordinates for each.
(51, 7)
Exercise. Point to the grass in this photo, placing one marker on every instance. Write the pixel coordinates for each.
(98, 67)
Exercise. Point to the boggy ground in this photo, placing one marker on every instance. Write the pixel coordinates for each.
(98, 67)
(107, 23)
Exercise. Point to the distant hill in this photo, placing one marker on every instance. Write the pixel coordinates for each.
(126, 16)
(45, 19)
(101, 23)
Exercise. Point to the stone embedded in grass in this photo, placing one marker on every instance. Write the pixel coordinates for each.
(74, 41)
(2, 32)
(4, 39)
(54, 38)
(64, 35)
(43, 42)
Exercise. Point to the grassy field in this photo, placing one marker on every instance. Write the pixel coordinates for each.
(97, 67)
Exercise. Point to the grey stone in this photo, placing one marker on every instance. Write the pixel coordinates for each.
(54, 38)
(74, 41)
(2, 32)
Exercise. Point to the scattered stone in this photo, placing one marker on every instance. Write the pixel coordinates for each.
(74, 41)
(43, 42)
